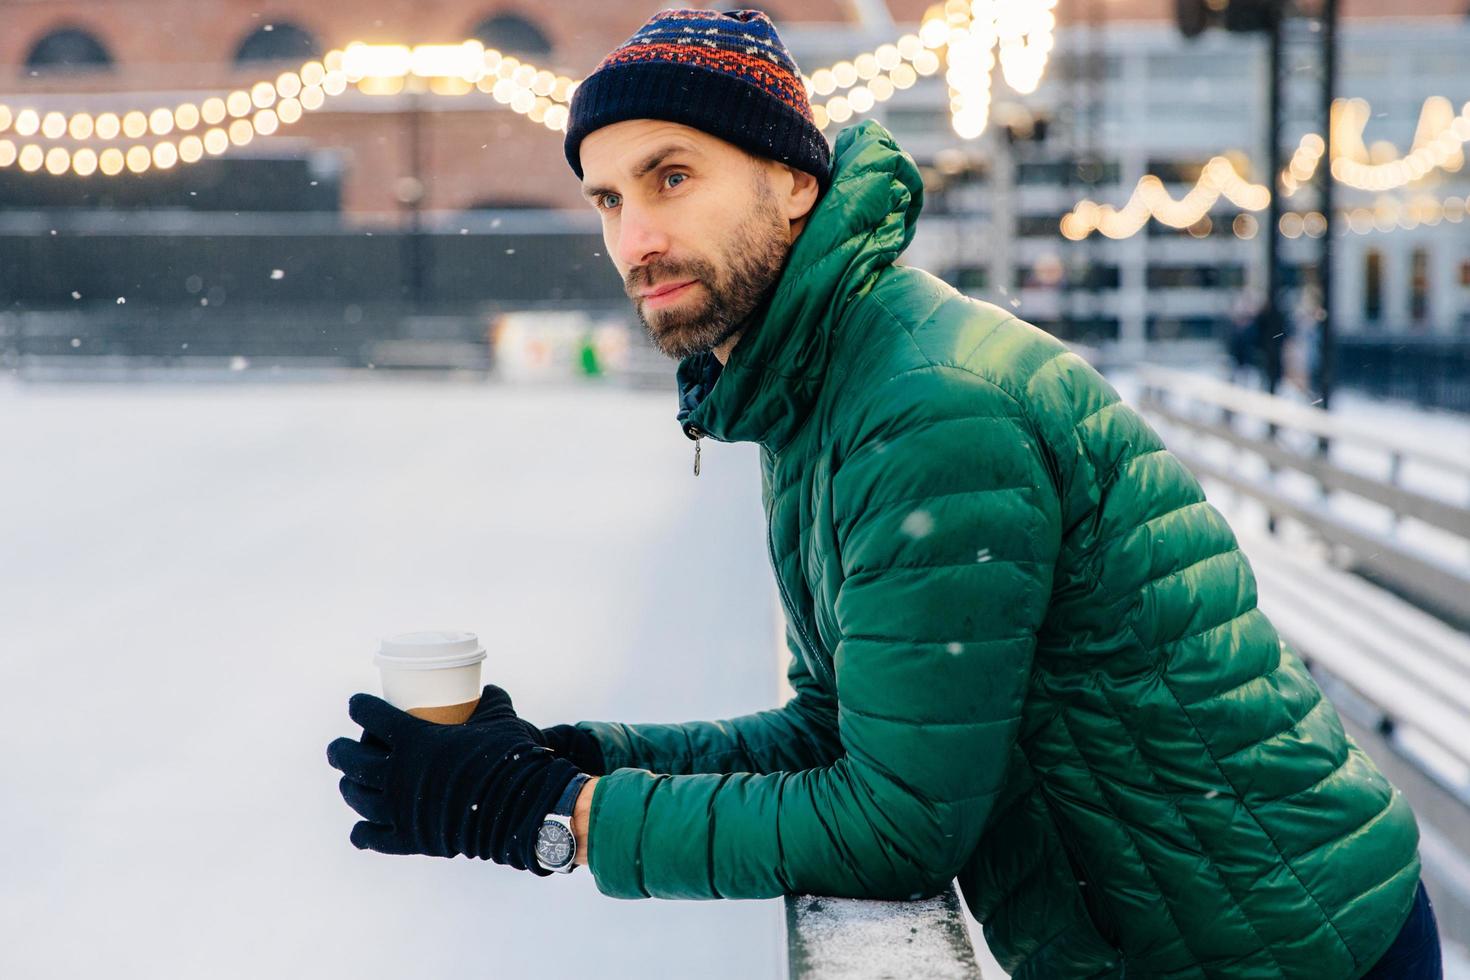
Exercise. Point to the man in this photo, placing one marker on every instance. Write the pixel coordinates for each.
(1025, 650)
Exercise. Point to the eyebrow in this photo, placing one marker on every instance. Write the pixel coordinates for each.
(644, 168)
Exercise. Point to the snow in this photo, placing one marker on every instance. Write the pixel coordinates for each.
(858, 938)
(196, 579)
(918, 524)
(197, 576)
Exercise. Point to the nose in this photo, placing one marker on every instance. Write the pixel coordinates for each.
(640, 240)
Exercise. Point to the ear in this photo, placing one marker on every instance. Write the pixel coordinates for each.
(797, 192)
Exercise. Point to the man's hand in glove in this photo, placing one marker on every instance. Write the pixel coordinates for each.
(577, 746)
(481, 789)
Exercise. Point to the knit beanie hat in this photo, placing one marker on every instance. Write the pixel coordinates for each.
(727, 74)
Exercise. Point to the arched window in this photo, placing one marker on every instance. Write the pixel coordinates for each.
(69, 49)
(512, 34)
(278, 42)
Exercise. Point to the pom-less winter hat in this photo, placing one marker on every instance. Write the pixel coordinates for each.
(727, 74)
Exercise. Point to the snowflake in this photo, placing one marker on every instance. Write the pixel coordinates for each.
(918, 524)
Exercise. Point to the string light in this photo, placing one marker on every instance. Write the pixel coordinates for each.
(962, 36)
(1390, 214)
(1439, 140)
(971, 58)
(1438, 145)
(1024, 35)
(1150, 199)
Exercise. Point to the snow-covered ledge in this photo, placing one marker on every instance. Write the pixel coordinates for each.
(862, 939)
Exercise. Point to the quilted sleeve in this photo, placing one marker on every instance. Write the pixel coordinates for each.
(801, 734)
(947, 528)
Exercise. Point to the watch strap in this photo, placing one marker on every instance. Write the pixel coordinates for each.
(567, 802)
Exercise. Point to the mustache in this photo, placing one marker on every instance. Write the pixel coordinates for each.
(645, 276)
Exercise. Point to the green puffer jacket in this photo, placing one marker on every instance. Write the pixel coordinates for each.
(1026, 653)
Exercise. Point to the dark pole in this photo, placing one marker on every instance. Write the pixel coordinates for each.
(1327, 334)
(1272, 323)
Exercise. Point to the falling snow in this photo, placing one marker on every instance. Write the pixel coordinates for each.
(918, 524)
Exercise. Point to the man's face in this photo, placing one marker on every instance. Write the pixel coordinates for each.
(692, 225)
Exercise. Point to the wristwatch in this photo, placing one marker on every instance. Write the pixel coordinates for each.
(556, 845)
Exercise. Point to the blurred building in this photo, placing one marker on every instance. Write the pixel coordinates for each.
(1123, 96)
(1127, 98)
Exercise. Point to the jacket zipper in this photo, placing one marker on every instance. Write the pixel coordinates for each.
(692, 431)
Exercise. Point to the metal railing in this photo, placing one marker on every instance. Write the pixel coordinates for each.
(1211, 408)
(1381, 657)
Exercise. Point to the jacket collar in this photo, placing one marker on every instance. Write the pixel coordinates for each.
(770, 383)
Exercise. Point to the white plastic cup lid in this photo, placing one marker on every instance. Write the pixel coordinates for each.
(429, 650)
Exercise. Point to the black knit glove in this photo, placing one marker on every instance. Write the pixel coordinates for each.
(479, 789)
(577, 747)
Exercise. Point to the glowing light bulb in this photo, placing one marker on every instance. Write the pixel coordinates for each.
(165, 155)
(58, 161)
(288, 85)
(139, 159)
(84, 162)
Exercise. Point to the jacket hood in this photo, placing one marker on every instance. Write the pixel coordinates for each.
(863, 222)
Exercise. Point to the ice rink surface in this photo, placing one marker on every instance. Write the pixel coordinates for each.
(195, 578)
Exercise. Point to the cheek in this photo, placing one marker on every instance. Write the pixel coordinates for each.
(609, 246)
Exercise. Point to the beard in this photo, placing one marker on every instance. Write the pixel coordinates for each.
(752, 262)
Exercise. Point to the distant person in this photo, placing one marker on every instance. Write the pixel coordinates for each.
(1026, 652)
(1244, 342)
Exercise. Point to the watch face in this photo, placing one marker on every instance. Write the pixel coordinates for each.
(555, 845)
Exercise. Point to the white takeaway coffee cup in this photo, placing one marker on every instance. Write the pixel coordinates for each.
(432, 674)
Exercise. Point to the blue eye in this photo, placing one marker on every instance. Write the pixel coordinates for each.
(608, 201)
(672, 176)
